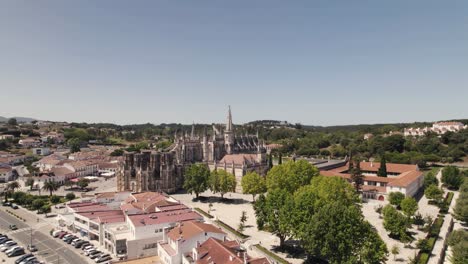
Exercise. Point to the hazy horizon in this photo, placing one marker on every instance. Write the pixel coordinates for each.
(310, 62)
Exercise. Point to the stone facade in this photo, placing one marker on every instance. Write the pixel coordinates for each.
(164, 170)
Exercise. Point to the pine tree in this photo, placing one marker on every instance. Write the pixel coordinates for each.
(270, 161)
(382, 172)
(280, 159)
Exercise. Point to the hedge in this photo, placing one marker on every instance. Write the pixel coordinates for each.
(203, 213)
(423, 258)
(272, 255)
(232, 230)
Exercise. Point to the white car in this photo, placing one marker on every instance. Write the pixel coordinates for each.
(66, 236)
(7, 245)
(27, 260)
(11, 249)
(87, 247)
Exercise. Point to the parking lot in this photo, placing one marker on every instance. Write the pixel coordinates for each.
(50, 250)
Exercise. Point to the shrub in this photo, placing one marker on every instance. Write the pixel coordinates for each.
(70, 196)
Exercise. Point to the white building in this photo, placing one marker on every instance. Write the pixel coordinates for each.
(43, 151)
(439, 128)
(184, 238)
(6, 173)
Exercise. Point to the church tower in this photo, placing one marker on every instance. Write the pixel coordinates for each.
(229, 133)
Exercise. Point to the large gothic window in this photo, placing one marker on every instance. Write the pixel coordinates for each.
(133, 172)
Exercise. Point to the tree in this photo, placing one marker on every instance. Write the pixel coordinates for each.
(117, 153)
(253, 184)
(291, 175)
(357, 177)
(461, 207)
(50, 186)
(418, 220)
(30, 182)
(395, 198)
(82, 183)
(394, 222)
(382, 172)
(45, 209)
(430, 179)
(280, 159)
(70, 196)
(54, 199)
(274, 211)
(222, 182)
(395, 251)
(12, 122)
(270, 161)
(409, 206)
(339, 233)
(242, 221)
(451, 177)
(196, 179)
(12, 186)
(38, 203)
(74, 144)
(433, 193)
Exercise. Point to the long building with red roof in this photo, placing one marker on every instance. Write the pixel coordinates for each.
(404, 178)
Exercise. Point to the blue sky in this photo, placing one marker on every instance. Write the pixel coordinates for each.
(314, 62)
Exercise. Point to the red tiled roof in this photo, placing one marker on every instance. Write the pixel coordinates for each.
(164, 217)
(190, 229)
(217, 251)
(406, 178)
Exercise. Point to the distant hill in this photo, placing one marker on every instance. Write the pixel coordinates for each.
(18, 118)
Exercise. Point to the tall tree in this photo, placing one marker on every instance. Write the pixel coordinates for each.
(74, 144)
(430, 179)
(394, 222)
(395, 198)
(277, 212)
(222, 182)
(253, 184)
(82, 183)
(357, 177)
(12, 122)
(451, 177)
(382, 172)
(280, 159)
(270, 161)
(50, 186)
(291, 175)
(197, 179)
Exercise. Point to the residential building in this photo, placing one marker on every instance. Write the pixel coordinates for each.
(41, 151)
(439, 128)
(29, 142)
(218, 251)
(183, 238)
(6, 173)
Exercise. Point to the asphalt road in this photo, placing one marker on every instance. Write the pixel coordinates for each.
(50, 249)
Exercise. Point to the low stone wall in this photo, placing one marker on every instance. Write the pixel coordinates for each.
(438, 253)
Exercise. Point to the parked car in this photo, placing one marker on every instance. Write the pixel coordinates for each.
(61, 235)
(13, 227)
(70, 239)
(92, 252)
(23, 258)
(87, 247)
(27, 260)
(6, 204)
(11, 249)
(14, 206)
(59, 206)
(79, 244)
(15, 252)
(74, 241)
(95, 254)
(7, 245)
(102, 258)
(3, 239)
(32, 248)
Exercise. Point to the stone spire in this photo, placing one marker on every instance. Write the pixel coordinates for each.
(192, 134)
(229, 120)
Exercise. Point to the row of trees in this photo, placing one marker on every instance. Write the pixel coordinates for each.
(198, 179)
